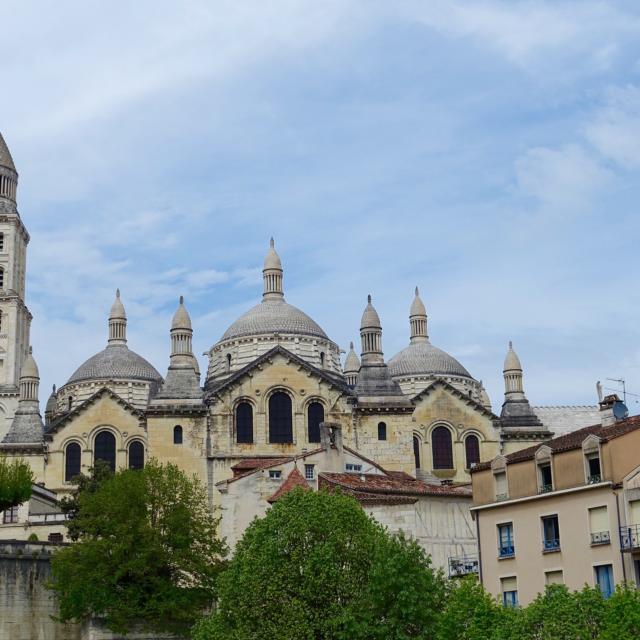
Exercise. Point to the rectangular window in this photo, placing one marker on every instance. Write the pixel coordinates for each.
(275, 475)
(593, 464)
(10, 516)
(509, 587)
(604, 579)
(353, 467)
(634, 512)
(501, 485)
(599, 525)
(554, 577)
(546, 479)
(1, 241)
(506, 548)
(309, 471)
(550, 533)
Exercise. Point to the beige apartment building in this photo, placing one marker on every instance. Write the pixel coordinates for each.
(564, 511)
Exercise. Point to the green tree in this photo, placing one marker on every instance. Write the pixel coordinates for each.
(147, 553)
(622, 616)
(470, 613)
(317, 567)
(16, 479)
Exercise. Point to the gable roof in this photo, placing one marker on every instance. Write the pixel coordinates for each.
(211, 388)
(62, 420)
(569, 441)
(294, 479)
(439, 382)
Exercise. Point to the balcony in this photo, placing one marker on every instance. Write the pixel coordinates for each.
(630, 537)
(463, 566)
(502, 496)
(550, 545)
(594, 479)
(545, 488)
(601, 537)
(506, 551)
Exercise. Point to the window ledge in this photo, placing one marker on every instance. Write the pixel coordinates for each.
(509, 557)
(556, 550)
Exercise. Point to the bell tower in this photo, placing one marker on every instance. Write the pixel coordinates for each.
(15, 319)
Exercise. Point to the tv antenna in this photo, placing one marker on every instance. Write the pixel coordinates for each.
(621, 381)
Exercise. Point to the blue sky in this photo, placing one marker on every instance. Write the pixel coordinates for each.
(488, 152)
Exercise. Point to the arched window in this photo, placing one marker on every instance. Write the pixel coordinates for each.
(416, 451)
(228, 362)
(71, 461)
(382, 431)
(472, 450)
(315, 415)
(244, 423)
(136, 455)
(70, 402)
(322, 359)
(442, 449)
(177, 434)
(280, 418)
(105, 448)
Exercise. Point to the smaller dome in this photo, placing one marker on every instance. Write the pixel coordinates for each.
(52, 401)
(116, 362)
(29, 367)
(117, 308)
(422, 358)
(5, 155)
(272, 260)
(370, 317)
(181, 319)
(417, 306)
(511, 360)
(351, 363)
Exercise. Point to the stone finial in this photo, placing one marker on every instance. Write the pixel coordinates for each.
(272, 275)
(117, 322)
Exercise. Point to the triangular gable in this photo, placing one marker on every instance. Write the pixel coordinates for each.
(64, 419)
(265, 357)
(294, 479)
(439, 383)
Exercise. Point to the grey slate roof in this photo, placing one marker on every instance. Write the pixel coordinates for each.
(565, 419)
(26, 428)
(421, 358)
(116, 362)
(180, 384)
(274, 316)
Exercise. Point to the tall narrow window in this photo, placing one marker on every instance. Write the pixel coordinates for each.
(72, 455)
(550, 533)
(280, 418)
(501, 486)
(604, 579)
(177, 434)
(136, 455)
(322, 359)
(593, 464)
(506, 548)
(105, 448)
(1, 278)
(228, 362)
(545, 477)
(70, 402)
(1, 241)
(244, 423)
(442, 448)
(472, 450)
(416, 451)
(315, 415)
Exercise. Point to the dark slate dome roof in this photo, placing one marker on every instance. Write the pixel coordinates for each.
(422, 358)
(274, 316)
(116, 362)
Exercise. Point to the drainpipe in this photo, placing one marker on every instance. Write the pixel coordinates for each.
(624, 570)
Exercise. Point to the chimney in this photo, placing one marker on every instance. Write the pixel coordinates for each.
(612, 409)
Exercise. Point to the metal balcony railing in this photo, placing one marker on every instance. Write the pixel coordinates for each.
(545, 488)
(630, 537)
(501, 496)
(601, 537)
(463, 566)
(506, 551)
(551, 544)
(594, 479)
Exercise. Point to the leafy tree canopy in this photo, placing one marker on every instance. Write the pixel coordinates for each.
(317, 567)
(146, 554)
(16, 479)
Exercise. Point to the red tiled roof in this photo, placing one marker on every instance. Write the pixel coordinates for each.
(388, 485)
(294, 479)
(571, 440)
(251, 464)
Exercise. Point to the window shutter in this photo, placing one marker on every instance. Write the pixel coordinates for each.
(554, 577)
(509, 584)
(501, 483)
(598, 520)
(634, 512)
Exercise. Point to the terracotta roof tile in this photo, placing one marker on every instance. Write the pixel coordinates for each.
(571, 440)
(294, 479)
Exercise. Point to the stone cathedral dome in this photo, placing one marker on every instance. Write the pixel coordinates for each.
(423, 358)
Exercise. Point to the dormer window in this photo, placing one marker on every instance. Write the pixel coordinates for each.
(592, 463)
(353, 468)
(500, 485)
(545, 472)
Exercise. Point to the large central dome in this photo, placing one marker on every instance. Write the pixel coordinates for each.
(274, 316)
(422, 358)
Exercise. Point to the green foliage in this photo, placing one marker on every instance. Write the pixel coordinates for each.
(317, 567)
(32, 537)
(146, 554)
(622, 615)
(16, 479)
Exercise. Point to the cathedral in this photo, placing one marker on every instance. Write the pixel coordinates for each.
(275, 395)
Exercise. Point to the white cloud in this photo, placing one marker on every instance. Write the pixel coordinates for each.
(615, 128)
(565, 178)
